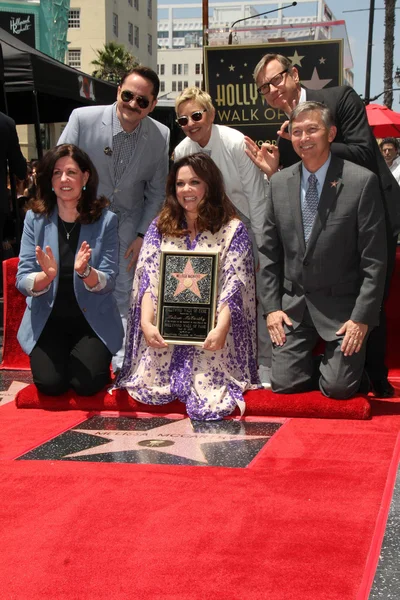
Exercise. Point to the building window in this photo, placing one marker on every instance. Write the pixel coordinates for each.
(186, 69)
(130, 33)
(160, 69)
(74, 58)
(136, 36)
(115, 24)
(162, 86)
(74, 18)
(136, 4)
(185, 84)
(197, 84)
(197, 69)
(150, 44)
(174, 86)
(180, 69)
(173, 69)
(150, 9)
(180, 86)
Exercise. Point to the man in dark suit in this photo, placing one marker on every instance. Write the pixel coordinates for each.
(279, 83)
(323, 263)
(11, 158)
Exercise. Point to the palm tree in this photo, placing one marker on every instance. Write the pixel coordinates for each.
(112, 62)
(390, 6)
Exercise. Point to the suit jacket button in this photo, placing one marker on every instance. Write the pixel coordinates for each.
(306, 263)
(307, 292)
(83, 309)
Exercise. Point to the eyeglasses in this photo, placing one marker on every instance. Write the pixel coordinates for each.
(127, 96)
(196, 116)
(265, 88)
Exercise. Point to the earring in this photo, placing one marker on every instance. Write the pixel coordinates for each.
(52, 189)
(84, 188)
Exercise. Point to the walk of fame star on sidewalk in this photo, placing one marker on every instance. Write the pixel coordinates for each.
(185, 441)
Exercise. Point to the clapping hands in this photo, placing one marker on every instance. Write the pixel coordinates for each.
(46, 261)
(82, 258)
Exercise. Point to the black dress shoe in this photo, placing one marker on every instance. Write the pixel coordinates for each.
(382, 389)
(365, 384)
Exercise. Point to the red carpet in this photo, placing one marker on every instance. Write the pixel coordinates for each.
(258, 403)
(304, 523)
(13, 309)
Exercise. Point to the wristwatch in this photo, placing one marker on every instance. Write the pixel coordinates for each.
(85, 273)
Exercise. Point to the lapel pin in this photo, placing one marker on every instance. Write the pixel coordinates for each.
(334, 183)
(107, 151)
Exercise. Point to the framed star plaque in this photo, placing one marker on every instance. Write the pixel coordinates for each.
(187, 296)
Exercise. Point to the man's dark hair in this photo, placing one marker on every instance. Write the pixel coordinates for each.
(147, 73)
(389, 140)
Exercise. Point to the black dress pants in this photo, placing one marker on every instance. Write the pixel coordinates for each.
(70, 354)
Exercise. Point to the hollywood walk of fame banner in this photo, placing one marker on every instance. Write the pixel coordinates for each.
(187, 296)
(229, 81)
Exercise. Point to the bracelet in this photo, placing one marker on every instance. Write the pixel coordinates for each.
(141, 235)
(85, 273)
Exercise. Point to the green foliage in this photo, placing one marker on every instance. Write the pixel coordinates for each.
(112, 62)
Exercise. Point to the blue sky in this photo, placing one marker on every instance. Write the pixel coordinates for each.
(357, 30)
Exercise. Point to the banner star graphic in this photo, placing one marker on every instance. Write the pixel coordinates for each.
(322, 60)
(315, 83)
(231, 68)
(296, 59)
(188, 280)
(177, 438)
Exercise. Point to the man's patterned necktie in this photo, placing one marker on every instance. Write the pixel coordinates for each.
(310, 206)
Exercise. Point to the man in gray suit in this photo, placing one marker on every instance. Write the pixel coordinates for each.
(130, 152)
(323, 261)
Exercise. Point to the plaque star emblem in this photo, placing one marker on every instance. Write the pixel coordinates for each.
(222, 60)
(334, 183)
(322, 60)
(188, 280)
(245, 65)
(231, 68)
(296, 59)
(177, 438)
(315, 83)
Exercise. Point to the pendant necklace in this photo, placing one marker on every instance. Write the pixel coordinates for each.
(66, 230)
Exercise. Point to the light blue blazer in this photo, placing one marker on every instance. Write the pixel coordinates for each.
(99, 308)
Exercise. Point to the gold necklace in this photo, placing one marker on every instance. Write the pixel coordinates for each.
(66, 230)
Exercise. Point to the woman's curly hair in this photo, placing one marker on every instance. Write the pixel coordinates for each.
(214, 210)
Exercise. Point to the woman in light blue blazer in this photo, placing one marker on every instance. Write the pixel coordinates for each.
(67, 269)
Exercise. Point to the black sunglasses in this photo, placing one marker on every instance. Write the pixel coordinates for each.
(127, 96)
(196, 116)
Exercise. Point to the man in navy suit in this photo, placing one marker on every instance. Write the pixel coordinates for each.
(279, 82)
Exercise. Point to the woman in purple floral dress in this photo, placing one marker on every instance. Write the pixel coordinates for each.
(210, 379)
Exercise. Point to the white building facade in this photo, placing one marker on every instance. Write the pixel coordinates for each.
(93, 23)
(180, 39)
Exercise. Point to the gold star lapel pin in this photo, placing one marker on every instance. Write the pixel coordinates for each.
(334, 183)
